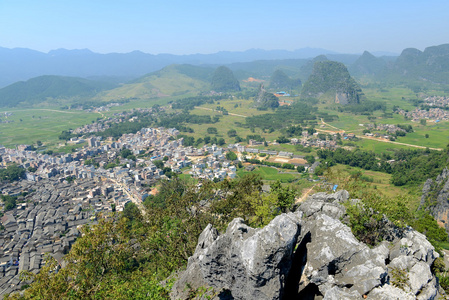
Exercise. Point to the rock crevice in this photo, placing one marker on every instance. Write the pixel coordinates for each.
(309, 254)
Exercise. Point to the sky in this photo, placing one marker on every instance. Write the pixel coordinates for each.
(188, 27)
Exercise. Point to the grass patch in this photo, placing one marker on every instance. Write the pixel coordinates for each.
(376, 182)
(31, 125)
(271, 174)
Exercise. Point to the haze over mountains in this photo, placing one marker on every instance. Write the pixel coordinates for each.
(21, 64)
(84, 74)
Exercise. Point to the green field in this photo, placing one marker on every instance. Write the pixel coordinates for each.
(31, 125)
(271, 174)
(378, 181)
(46, 124)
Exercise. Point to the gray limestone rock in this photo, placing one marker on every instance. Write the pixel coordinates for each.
(248, 263)
(310, 254)
(435, 197)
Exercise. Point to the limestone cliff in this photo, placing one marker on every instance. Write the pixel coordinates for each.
(309, 254)
(435, 198)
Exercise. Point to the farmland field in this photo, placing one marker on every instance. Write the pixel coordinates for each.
(31, 125)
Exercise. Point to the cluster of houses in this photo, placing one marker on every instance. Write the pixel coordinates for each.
(433, 114)
(103, 124)
(389, 128)
(437, 101)
(64, 191)
(46, 221)
(104, 107)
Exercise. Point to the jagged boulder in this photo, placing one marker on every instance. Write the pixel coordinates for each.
(436, 198)
(310, 254)
(245, 262)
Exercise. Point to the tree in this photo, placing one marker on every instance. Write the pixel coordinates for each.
(132, 213)
(310, 159)
(9, 202)
(285, 195)
(212, 130)
(300, 169)
(101, 262)
(125, 153)
(282, 140)
(221, 142)
(12, 172)
(232, 133)
(231, 155)
(158, 163)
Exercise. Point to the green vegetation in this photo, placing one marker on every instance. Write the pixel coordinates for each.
(127, 255)
(173, 80)
(270, 174)
(12, 173)
(409, 167)
(265, 100)
(9, 202)
(332, 77)
(280, 81)
(40, 89)
(366, 217)
(231, 155)
(43, 124)
(223, 80)
(368, 64)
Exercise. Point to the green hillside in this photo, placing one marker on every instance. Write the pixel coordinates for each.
(431, 65)
(223, 80)
(173, 80)
(279, 80)
(42, 88)
(368, 64)
(332, 79)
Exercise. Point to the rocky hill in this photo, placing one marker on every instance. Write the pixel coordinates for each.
(265, 100)
(223, 80)
(431, 65)
(310, 254)
(332, 79)
(435, 198)
(281, 81)
(368, 64)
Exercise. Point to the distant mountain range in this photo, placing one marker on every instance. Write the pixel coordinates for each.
(21, 64)
(81, 74)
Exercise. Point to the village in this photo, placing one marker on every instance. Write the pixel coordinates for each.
(62, 192)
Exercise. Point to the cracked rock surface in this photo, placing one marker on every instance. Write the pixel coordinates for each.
(309, 254)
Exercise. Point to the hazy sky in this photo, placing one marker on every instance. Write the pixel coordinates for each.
(186, 27)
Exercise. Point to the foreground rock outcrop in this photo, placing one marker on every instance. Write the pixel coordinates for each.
(309, 254)
(435, 198)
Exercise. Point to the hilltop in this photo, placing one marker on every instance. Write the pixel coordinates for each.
(172, 80)
(430, 65)
(368, 64)
(22, 64)
(332, 79)
(223, 80)
(43, 88)
(281, 81)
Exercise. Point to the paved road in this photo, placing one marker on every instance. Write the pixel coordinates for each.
(134, 200)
